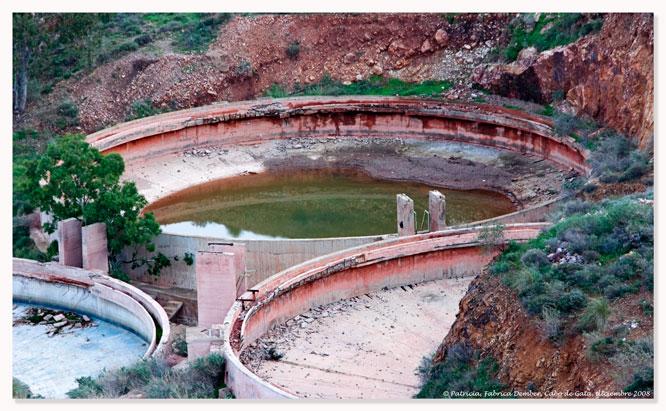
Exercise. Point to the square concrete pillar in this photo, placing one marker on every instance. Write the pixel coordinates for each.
(238, 249)
(69, 242)
(405, 210)
(216, 286)
(94, 251)
(437, 210)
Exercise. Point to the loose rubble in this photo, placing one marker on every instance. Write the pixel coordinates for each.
(56, 321)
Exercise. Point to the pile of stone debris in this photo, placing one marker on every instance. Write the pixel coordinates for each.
(57, 321)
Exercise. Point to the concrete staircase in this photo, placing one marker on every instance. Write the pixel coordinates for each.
(172, 307)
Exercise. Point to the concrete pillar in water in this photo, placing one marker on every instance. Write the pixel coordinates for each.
(69, 242)
(217, 279)
(405, 215)
(437, 210)
(94, 249)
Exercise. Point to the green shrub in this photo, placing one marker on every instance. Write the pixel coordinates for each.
(552, 323)
(535, 258)
(143, 39)
(491, 237)
(141, 109)
(595, 315)
(599, 252)
(68, 109)
(21, 390)
(616, 159)
(463, 370)
(375, 85)
(198, 31)
(124, 48)
(564, 28)
(152, 378)
(293, 50)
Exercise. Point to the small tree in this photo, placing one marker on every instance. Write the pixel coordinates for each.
(74, 180)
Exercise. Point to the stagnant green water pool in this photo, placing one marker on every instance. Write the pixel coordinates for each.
(310, 205)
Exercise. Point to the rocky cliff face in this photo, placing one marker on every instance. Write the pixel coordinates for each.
(492, 320)
(608, 76)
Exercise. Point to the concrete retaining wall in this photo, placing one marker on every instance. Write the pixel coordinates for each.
(352, 272)
(267, 257)
(91, 293)
(263, 257)
(264, 120)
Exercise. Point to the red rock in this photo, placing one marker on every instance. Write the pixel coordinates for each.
(608, 76)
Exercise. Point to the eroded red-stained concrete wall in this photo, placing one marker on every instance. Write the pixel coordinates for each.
(251, 123)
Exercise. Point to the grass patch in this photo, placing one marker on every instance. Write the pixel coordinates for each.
(375, 86)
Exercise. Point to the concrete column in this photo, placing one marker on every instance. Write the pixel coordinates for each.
(238, 250)
(437, 210)
(216, 285)
(406, 224)
(69, 242)
(94, 251)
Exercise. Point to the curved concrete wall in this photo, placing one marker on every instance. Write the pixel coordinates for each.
(352, 272)
(91, 293)
(344, 117)
(267, 257)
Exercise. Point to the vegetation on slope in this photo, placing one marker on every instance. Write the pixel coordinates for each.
(595, 260)
(463, 374)
(152, 378)
(375, 86)
(51, 47)
(550, 31)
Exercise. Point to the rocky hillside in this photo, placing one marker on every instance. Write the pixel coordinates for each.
(608, 76)
(254, 52)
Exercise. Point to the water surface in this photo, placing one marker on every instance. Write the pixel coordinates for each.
(51, 365)
(310, 205)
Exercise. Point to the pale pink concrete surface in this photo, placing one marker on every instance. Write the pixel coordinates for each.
(104, 287)
(346, 274)
(367, 347)
(239, 252)
(69, 242)
(94, 251)
(216, 285)
(437, 210)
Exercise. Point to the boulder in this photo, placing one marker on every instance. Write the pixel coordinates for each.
(442, 37)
